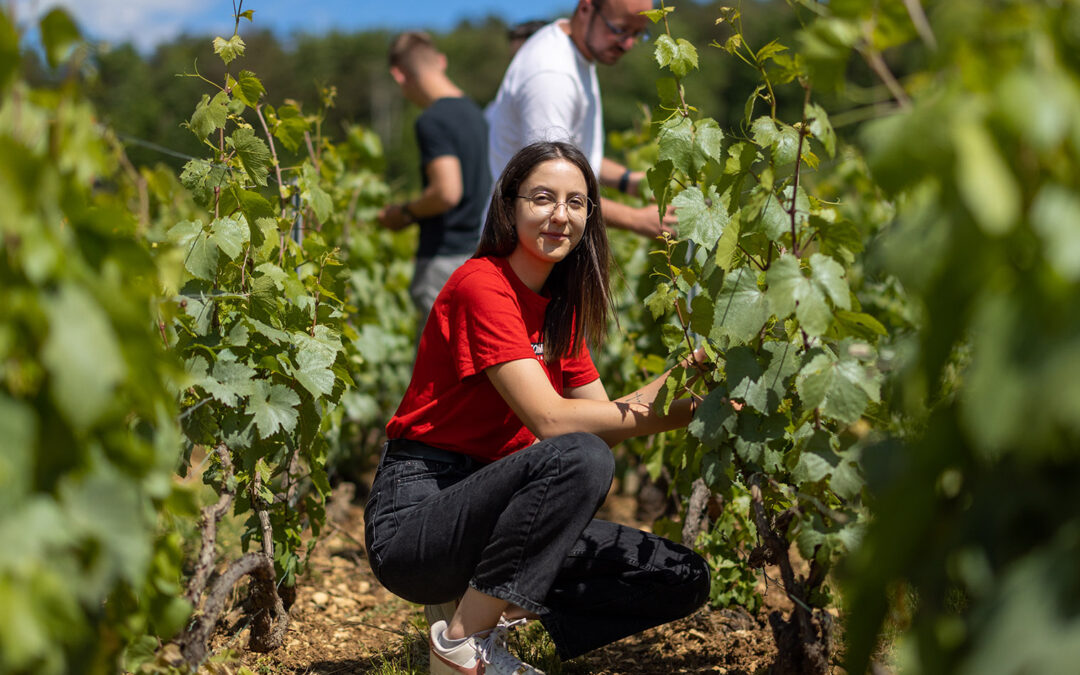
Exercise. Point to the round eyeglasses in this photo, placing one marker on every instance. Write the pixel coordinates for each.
(543, 204)
(621, 34)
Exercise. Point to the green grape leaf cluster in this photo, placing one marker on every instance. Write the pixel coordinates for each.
(762, 274)
(88, 415)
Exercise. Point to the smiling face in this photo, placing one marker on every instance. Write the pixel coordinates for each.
(547, 235)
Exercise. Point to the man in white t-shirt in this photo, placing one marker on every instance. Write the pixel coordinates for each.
(550, 93)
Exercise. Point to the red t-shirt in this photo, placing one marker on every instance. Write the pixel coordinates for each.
(483, 316)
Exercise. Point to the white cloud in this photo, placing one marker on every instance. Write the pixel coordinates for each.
(143, 22)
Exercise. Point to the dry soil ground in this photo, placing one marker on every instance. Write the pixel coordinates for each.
(344, 622)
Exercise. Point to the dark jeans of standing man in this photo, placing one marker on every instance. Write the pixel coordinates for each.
(522, 529)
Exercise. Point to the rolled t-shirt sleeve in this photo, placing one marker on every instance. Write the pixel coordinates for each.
(579, 370)
(434, 139)
(486, 327)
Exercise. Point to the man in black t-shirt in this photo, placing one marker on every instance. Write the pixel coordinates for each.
(452, 136)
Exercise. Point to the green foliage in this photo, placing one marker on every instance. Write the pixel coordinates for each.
(766, 273)
(258, 317)
(87, 413)
(973, 516)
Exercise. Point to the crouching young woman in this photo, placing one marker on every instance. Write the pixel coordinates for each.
(500, 455)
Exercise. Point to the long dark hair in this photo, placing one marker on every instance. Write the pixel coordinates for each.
(578, 288)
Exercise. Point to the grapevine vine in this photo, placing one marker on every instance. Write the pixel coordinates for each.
(760, 273)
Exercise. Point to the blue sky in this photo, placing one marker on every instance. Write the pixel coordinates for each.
(147, 22)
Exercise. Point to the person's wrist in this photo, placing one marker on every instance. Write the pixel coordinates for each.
(624, 182)
(410, 217)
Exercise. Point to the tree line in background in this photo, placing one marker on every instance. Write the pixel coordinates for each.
(147, 96)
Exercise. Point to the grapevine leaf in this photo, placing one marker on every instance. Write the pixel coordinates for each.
(786, 148)
(728, 245)
(821, 127)
(702, 312)
(789, 291)
(673, 385)
(1054, 216)
(238, 335)
(253, 153)
(769, 50)
(58, 35)
(253, 205)
(840, 387)
(290, 127)
(237, 432)
(264, 303)
(768, 214)
(714, 466)
(812, 311)
(856, 324)
(741, 307)
(702, 216)
(200, 254)
(661, 300)
(811, 468)
(846, 481)
(82, 355)
(985, 181)
(715, 419)
(829, 275)
(108, 509)
(783, 139)
(783, 363)
(740, 157)
(248, 88)
(808, 540)
(744, 373)
(274, 407)
(755, 433)
(784, 278)
(18, 428)
(329, 338)
(764, 131)
(676, 139)
(313, 363)
(751, 101)
(667, 89)
(659, 177)
(313, 195)
(229, 235)
(665, 50)
(229, 49)
(685, 58)
(272, 334)
(656, 15)
(210, 115)
(708, 142)
(231, 381)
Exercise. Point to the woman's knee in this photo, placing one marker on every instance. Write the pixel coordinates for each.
(696, 583)
(588, 456)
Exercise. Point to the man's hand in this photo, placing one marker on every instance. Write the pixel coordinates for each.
(643, 220)
(647, 223)
(393, 217)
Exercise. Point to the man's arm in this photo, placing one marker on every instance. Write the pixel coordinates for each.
(643, 220)
(443, 192)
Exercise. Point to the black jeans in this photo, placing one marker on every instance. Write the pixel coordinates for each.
(522, 529)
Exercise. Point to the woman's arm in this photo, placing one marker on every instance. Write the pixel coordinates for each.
(524, 385)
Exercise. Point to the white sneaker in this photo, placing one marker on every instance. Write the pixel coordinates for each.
(480, 654)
